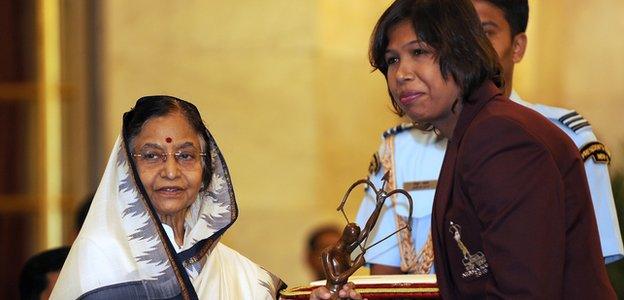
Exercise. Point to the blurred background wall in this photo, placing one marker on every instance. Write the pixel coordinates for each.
(284, 86)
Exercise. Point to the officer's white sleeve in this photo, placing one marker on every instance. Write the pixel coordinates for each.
(604, 207)
(602, 198)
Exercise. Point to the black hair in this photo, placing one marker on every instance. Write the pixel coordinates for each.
(33, 280)
(149, 107)
(452, 28)
(313, 238)
(516, 13)
(83, 209)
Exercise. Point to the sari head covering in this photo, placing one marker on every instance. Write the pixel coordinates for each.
(123, 250)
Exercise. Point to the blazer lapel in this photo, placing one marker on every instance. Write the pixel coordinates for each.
(441, 200)
(476, 101)
(446, 180)
(471, 108)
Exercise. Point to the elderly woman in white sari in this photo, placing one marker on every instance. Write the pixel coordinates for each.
(153, 229)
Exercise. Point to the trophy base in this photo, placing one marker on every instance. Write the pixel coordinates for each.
(379, 287)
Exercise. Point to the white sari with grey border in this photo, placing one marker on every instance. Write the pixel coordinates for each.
(123, 252)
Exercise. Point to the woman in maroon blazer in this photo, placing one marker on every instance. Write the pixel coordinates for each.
(512, 215)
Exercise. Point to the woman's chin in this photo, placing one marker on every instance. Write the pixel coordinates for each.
(418, 118)
(168, 207)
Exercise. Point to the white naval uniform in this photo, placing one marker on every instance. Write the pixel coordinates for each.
(418, 157)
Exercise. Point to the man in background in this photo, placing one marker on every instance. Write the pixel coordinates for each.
(40, 273)
(319, 239)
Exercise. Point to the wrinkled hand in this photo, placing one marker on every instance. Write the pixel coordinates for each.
(347, 292)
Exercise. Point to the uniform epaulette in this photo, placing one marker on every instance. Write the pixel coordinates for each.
(574, 121)
(398, 129)
(375, 164)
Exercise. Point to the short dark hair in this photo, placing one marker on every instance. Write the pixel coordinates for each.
(149, 107)
(516, 13)
(313, 238)
(33, 279)
(82, 211)
(452, 28)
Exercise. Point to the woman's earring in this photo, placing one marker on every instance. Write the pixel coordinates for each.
(436, 131)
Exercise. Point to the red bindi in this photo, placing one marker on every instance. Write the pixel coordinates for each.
(168, 140)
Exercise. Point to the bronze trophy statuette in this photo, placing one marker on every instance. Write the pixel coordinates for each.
(336, 259)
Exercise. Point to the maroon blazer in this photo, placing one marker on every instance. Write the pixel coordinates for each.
(512, 215)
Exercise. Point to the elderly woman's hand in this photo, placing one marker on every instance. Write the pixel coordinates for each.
(347, 292)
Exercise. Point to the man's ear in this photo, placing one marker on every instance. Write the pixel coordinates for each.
(519, 44)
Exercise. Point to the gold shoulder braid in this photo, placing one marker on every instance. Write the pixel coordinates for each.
(411, 261)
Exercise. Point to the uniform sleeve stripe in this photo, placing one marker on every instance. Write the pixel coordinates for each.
(581, 121)
(572, 120)
(579, 126)
(566, 116)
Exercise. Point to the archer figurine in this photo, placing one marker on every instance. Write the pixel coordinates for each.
(336, 259)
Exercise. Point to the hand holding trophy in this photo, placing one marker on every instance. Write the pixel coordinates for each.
(336, 259)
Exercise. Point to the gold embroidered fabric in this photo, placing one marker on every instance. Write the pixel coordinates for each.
(412, 262)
